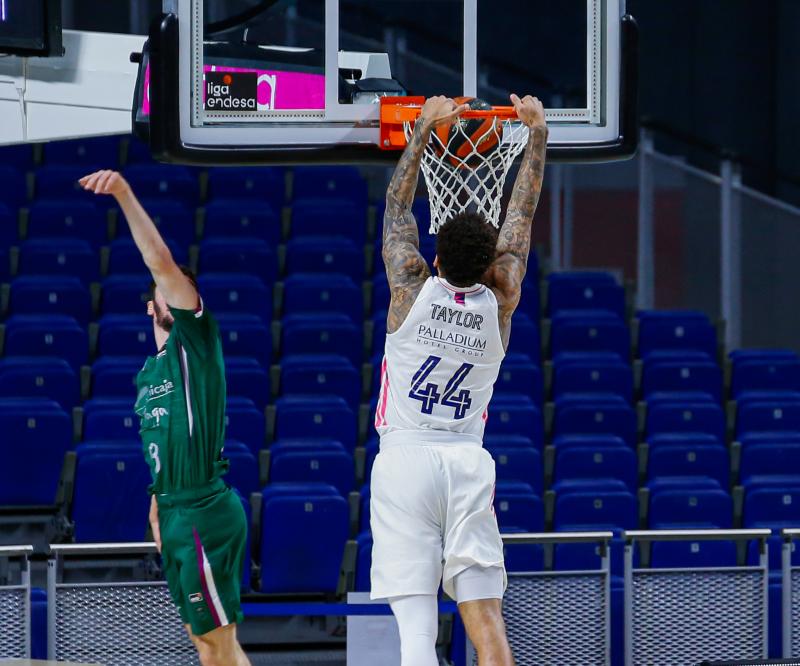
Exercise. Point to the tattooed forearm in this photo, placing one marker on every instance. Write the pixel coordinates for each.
(515, 234)
(405, 267)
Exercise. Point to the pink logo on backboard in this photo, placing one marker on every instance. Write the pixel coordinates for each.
(276, 89)
(284, 90)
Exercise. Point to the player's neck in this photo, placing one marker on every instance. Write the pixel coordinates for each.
(161, 336)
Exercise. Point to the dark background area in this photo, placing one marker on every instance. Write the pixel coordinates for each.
(719, 74)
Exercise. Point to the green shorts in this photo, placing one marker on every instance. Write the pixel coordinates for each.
(203, 541)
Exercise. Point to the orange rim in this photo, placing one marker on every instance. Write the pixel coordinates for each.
(396, 111)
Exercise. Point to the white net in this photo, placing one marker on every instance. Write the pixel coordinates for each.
(463, 174)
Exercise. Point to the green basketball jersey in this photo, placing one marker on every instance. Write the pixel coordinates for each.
(181, 405)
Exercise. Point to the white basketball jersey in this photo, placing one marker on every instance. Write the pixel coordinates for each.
(440, 366)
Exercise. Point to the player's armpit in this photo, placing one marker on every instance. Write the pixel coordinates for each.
(407, 271)
(504, 278)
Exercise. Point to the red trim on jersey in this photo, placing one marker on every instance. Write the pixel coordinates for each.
(485, 416)
(491, 501)
(460, 298)
(383, 400)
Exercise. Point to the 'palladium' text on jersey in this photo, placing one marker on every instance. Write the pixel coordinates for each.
(469, 320)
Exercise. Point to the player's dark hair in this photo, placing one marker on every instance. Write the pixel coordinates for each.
(188, 272)
(465, 246)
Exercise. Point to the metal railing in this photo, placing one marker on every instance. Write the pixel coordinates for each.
(559, 616)
(91, 617)
(791, 595)
(15, 602)
(687, 615)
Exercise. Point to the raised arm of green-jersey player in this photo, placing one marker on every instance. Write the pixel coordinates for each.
(177, 289)
(406, 269)
(506, 273)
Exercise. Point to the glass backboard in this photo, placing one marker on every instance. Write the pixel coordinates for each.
(300, 80)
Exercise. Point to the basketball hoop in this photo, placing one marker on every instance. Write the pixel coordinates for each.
(460, 173)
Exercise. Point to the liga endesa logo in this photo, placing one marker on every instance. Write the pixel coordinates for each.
(231, 91)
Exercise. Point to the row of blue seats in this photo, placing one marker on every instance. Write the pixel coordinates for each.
(183, 184)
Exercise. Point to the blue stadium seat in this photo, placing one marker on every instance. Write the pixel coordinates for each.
(60, 256)
(321, 374)
(225, 218)
(686, 417)
(525, 338)
(739, 355)
(110, 419)
(675, 375)
(687, 330)
(246, 335)
(125, 258)
(236, 293)
(320, 292)
(46, 432)
(245, 422)
(60, 181)
(53, 378)
(325, 254)
(363, 582)
(9, 227)
(121, 477)
(322, 334)
(19, 154)
(584, 291)
(243, 471)
(690, 508)
(689, 459)
(768, 415)
(517, 463)
(56, 295)
(262, 184)
(518, 374)
(602, 510)
(176, 183)
(246, 377)
(591, 440)
(174, 219)
(312, 461)
(767, 374)
(515, 415)
(121, 335)
(518, 506)
(239, 255)
(692, 554)
(139, 152)
(311, 416)
(589, 331)
(5, 267)
(115, 376)
(303, 531)
(13, 187)
(90, 150)
(590, 464)
(595, 414)
(772, 507)
(343, 217)
(683, 483)
(125, 294)
(68, 219)
(329, 182)
(47, 335)
(602, 372)
(522, 557)
(761, 460)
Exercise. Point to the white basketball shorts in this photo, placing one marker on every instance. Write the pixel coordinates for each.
(432, 517)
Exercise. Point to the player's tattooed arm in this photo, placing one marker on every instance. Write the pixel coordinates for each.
(514, 240)
(406, 269)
